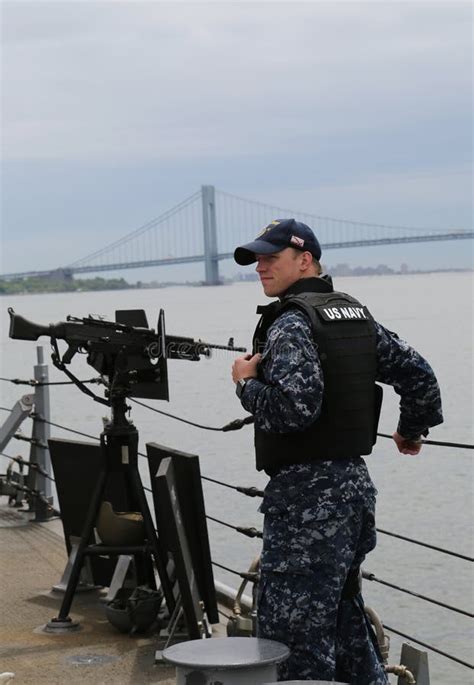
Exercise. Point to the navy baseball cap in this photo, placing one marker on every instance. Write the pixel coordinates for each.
(275, 237)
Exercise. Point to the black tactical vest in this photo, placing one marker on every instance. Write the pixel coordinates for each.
(344, 332)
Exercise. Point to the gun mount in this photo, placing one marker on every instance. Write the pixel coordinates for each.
(132, 361)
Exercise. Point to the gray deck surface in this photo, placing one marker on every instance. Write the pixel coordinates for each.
(32, 559)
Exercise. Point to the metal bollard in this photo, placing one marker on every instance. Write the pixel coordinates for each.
(227, 661)
(41, 433)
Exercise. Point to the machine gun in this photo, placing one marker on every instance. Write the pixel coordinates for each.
(130, 357)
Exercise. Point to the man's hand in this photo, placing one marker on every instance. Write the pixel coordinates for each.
(245, 367)
(406, 446)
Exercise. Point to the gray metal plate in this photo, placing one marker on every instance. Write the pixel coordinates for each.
(226, 653)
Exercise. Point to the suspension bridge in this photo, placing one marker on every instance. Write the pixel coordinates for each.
(207, 226)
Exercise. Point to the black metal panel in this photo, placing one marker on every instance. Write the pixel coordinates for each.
(153, 374)
(191, 504)
(172, 523)
(76, 467)
(131, 317)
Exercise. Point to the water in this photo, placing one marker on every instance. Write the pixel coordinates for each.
(428, 497)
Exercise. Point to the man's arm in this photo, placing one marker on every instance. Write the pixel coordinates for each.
(402, 367)
(289, 397)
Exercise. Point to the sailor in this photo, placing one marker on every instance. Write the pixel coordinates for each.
(311, 387)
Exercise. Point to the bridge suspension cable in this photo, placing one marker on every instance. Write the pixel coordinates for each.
(142, 231)
(318, 217)
(239, 218)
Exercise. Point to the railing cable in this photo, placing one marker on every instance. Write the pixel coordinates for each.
(32, 441)
(426, 544)
(236, 424)
(38, 417)
(42, 499)
(371, 576)
(171, 416)
(222, 613)
(425, 644)
(40, 384)
(252, 577)
(253, 491)
(435, 442)
(34, 493)
(249, 532)
(226, 568)
(28, 464)
(248, 491)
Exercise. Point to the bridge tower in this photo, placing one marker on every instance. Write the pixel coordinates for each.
(211, 258)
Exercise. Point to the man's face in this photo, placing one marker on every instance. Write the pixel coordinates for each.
(279, 270)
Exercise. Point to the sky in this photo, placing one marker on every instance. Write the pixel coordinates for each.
(113, 112)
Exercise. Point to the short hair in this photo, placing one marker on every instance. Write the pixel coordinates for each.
(315, 262)
(317, 265)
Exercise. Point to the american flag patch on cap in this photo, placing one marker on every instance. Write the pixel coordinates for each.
(297, 241)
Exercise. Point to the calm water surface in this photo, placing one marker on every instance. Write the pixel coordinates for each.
(429, 497)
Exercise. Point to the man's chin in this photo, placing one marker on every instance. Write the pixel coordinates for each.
(269, 290)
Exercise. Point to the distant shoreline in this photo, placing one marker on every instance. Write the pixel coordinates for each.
(36, 286)
(368, 271)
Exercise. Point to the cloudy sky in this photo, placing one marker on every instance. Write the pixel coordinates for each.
(113, 112)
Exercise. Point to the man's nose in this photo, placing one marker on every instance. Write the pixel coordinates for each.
(260, 267)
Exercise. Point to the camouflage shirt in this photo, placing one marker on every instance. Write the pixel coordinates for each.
(289, 397)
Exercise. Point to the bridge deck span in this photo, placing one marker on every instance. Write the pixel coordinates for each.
(454, 235)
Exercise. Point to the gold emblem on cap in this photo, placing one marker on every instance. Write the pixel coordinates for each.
(268, 228)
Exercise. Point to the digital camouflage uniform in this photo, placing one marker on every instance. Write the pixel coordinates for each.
(319, 516)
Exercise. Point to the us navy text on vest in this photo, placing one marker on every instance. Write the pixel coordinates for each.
(343, 313)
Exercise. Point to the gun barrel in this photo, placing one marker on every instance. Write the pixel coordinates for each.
(22, 329)
(225, 347)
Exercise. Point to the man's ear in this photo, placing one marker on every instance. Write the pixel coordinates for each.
(306, 261)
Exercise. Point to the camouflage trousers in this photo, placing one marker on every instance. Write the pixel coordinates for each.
(319, 524)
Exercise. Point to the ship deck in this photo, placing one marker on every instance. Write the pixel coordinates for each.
(33, 558)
